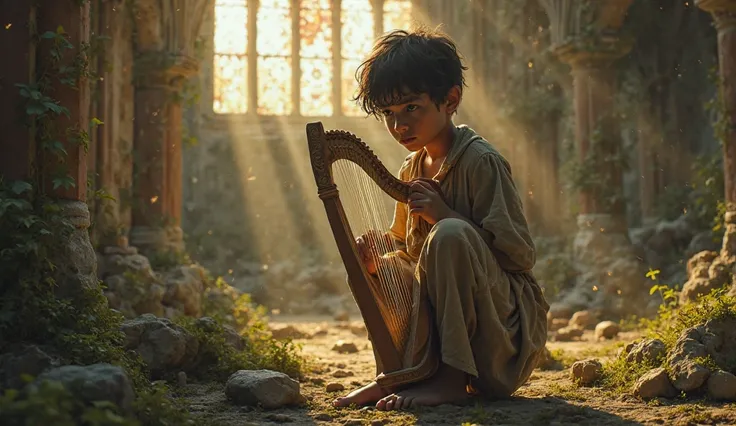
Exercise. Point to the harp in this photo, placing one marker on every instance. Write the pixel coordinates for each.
(393, 305)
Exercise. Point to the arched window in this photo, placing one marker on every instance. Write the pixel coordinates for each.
(296, 57)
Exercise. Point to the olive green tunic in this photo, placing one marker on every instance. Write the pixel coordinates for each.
(489, 310)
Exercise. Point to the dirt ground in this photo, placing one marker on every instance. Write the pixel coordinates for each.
(548, 398)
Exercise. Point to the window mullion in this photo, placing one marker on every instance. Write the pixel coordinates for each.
(252, 56)
(377, 17)
(296, 68)
(337, 58)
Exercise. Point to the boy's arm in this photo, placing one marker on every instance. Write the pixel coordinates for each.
(498, 211)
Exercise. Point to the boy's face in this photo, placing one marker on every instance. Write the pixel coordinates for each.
(417, 121)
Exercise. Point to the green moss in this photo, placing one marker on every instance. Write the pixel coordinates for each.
(619, 374)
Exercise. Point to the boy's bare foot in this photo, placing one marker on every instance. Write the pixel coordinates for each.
(447, 386)
(368, 394)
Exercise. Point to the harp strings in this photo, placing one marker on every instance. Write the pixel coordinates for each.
(367, 208)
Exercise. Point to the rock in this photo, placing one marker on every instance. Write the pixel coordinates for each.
(283, 332)
(722, 386)
(702, 241)
(650, 351)
(719, 339)
(654, 384)
(181, 379)
(586, 372)
(269, 389)
(118, 264)
(606, 330)
(567, 334)
(184, 289)
(279, 418)
(162, 345)
(345, 347)
(342, 316)
(28, 360)
(695, 287)
(703, 258)
(353, 422)
(334, 387)
(558, 323)
(93, 383)
(581, 319)
(687, 371)
(339, 374)
(232, 337)
(557, 310)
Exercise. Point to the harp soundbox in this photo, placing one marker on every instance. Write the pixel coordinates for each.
(393, 305)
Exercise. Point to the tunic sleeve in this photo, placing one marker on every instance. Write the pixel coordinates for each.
(497, 208)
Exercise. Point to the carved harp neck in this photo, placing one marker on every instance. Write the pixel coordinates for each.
(327, 147)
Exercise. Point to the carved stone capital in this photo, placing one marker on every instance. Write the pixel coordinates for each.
(723, 11)
(161, 69)
(593, 52)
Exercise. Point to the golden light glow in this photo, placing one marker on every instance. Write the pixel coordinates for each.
(315, 51)
(274, 57)
(275, 65)
(396, 15)
(230, 63)
(357, 36)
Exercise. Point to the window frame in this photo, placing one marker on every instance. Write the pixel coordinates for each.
(252, 57)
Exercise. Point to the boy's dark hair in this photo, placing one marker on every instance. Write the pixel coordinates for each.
(421, 61)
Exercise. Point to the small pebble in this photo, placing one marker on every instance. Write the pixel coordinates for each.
(323, 417)
(334, 387)
(279, 418)
(342, 373)
(344, 347)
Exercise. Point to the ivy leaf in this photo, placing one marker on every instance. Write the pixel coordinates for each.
(18, 187)
(35, 109)
(48, 35)
(66, 181)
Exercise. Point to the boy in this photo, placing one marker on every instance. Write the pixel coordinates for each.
(472, 250)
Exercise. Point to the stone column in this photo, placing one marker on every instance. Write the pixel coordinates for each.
(23, 155)
(164, 44)
(610, 278)
(724, 15)
(596, 129)
(157, 164)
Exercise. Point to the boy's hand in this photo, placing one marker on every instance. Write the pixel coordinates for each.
(426, 201)
(370, 245)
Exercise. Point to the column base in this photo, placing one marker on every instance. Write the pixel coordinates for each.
(149, 239)
(610, 277)
(76, 260)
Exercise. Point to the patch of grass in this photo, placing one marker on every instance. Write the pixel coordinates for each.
(696, 413)
(562, 357)
(671, 322)
(565, 390)
(619, 375)
(261, 352)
